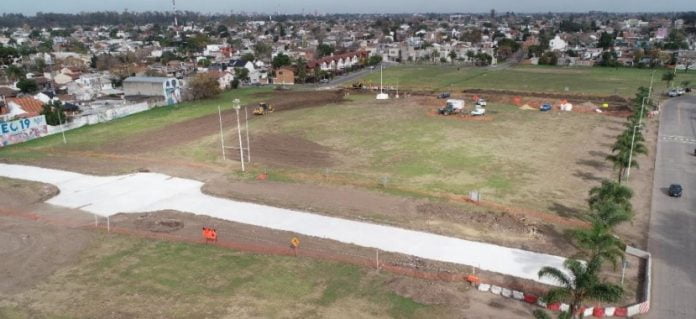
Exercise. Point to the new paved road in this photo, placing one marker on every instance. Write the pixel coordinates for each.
(144, 192)
(672, 240)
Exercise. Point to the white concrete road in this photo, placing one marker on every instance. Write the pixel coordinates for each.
(142, 192)
(672, 240)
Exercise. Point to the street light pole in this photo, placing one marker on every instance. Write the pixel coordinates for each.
(633, 139)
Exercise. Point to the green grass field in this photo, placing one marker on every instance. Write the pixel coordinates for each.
(88, 137)
(577, 80)
(122, 277)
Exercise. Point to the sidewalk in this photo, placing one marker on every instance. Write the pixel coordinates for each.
(142, 192)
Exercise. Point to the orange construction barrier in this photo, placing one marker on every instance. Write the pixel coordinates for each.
(473, 279)
(209, 234)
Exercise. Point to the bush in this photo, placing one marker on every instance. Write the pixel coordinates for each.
(234, 84)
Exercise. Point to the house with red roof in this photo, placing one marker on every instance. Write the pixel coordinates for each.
(24, 106)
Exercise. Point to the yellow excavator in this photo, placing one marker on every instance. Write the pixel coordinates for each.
(263, 109)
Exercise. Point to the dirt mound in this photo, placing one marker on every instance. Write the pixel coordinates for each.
(289, 151)
(428, 292)
(158, 224)
(196, 128)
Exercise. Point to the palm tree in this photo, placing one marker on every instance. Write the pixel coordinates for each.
(622, 160)
(609, 214)
(599, 243)
(581, 284)
(624, 141)
(610, 191)
(540, 314)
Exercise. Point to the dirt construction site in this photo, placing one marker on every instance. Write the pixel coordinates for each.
(335, 153)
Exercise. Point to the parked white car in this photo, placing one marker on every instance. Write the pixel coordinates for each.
(481, 102)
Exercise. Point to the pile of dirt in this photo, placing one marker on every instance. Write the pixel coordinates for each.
(289, 151)
(154, 222)
(495, 221)
(527, 107)
(586, 107)
(429, 292)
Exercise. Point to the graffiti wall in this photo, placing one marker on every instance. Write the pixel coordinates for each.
(22, 130)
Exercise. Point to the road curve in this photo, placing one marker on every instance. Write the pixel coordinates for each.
(672, 236)
(143, 192)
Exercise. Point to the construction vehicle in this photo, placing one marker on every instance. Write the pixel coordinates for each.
(451, 107)
(263, 109)
(357, 85)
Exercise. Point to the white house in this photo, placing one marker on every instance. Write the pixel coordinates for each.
(558, 44)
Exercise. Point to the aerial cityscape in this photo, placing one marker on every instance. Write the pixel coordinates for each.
(309, 159)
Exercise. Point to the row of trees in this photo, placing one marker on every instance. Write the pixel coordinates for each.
(609, 205)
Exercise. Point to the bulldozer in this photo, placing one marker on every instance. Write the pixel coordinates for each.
(263, 109)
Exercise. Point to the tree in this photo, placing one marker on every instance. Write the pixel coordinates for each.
(668, 77)
(374, 60)
(541, 314)
(27, 86)
(14, 72)
(453, 56)
(622, 160)
(54, 113)
(580, 285)
(242, 74)
(606, 41)
(280, 60)
(301, 70)
(609, 214)
(610, 191)
(248, 57)
(203, 86)
(598, 242)
(262, 51)
(234, 84)
(324, 50)
(549, 58)
(685, 83)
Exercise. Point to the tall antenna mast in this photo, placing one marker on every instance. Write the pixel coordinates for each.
(176, 22)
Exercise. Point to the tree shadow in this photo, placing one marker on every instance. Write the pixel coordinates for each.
(596, 164)
(565, 211)
(599, 154)
(586, 176)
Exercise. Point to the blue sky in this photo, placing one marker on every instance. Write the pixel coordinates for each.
(353, 6)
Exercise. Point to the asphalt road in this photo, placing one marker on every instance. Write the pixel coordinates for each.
(672, 236)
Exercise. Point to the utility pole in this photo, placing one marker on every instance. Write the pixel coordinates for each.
(239, 133)
(246, 128)
(222, 138)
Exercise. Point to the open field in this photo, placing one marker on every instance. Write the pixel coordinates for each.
(577, 80)
(524, 159)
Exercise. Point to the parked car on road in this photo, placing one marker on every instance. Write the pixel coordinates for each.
(673, 93)
(675, 190)
(545, 107)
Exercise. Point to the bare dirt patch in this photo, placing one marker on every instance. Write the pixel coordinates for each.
(31, 251)
(197, 128)
(289, 151)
